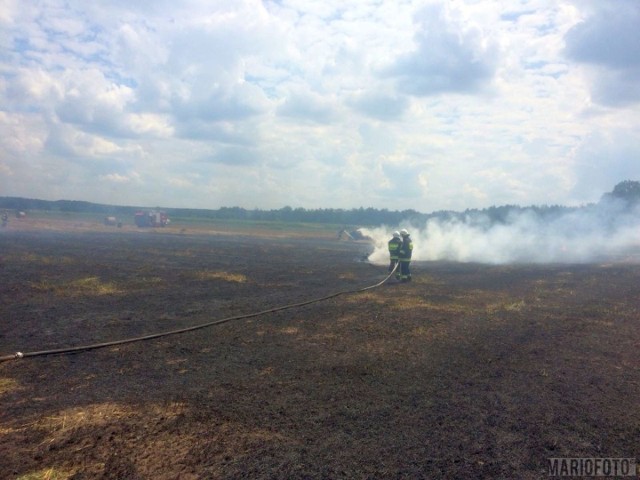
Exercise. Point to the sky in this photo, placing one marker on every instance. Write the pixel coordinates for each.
(424, 105)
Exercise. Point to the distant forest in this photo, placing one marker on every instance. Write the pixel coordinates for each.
(626, 192)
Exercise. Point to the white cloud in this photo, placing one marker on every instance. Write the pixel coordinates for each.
(119, 178)
(151, 124)
(449, 57)
(308, 106)
(608, 40)
(379, 105)
(412, 104)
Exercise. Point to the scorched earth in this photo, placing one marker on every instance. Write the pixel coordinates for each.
(470, 371)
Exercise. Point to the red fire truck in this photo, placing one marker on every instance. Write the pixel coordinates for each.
(151, 219)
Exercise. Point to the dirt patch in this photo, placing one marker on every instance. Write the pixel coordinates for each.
(470, 371)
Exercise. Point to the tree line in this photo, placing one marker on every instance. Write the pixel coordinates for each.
(627, 193)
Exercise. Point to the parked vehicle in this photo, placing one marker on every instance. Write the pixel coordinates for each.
(151, 219)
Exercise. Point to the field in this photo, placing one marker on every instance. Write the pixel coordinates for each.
(469, 371)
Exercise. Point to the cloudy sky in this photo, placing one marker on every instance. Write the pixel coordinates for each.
(402, 104)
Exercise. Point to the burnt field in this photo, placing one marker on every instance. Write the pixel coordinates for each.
(469, 371)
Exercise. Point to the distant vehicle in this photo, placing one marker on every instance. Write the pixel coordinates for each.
(351, 235)
(110, 221)
(151, 219)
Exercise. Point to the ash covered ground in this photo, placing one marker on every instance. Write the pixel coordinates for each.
(470, 371)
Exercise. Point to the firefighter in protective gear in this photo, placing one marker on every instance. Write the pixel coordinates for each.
(394, 250)
(404, 256)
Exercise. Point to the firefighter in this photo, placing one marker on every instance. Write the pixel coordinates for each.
(5, 218)
(394, 249)
(404, 256)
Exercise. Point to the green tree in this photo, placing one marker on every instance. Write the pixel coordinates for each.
(627, 190)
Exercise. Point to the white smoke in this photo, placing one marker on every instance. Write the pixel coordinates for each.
(584, 235)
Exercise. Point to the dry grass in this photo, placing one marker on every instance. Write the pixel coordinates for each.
(219, 275)
(33, 258)
(507, 305)
(429, 332)
(62, 428)
(76, 418)
(48, 474)
(88, 286)
(8, 385)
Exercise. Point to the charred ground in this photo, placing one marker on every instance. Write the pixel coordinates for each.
(470, 371)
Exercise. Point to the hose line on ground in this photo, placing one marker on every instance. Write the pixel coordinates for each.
(95, 346)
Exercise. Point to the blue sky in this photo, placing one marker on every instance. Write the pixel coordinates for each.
(424, 105)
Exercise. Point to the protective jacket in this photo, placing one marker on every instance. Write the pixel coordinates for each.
(394, 248)
(406, 249)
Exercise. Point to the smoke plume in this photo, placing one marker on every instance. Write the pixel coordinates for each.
(608, 231)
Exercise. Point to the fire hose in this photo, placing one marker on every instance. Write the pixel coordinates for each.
(60, 351)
